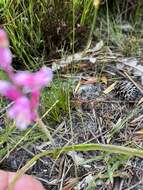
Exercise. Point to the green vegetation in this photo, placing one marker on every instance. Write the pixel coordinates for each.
(37, 28)
(60, 91)
(41, 31)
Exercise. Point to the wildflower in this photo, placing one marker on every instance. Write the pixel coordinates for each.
(23, 88)
(35, 96)
(33, 81)
(25, 182)
(9, 90)
(5, 53)
(21, 112)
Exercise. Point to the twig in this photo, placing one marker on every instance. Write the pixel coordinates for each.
(138, 87)
(44, 129)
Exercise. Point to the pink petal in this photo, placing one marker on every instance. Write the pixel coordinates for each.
(5, 59)
(8, 90)
(34, 81)
(21, 113)
(4, 41)
(5, 53)
(35, 96)
(43, 76)
(24, 79)
(25, 182)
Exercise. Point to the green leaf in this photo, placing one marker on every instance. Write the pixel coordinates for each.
(3, 75)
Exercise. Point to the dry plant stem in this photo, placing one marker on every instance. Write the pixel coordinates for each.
(45, 130)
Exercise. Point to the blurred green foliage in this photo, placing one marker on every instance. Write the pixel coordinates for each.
(38, 29)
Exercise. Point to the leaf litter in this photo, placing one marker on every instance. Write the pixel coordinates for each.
(100, 113)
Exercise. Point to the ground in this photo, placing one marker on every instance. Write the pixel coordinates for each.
(95, 51)
(99, 114)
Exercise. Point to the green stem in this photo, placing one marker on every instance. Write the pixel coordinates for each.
(81, 147)
(93, 25)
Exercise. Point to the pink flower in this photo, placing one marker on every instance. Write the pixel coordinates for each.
(35, 96)
(5, 53)
(21, 112)
(8, 90)
(4, 41)
(34, 81)
(23, 88)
